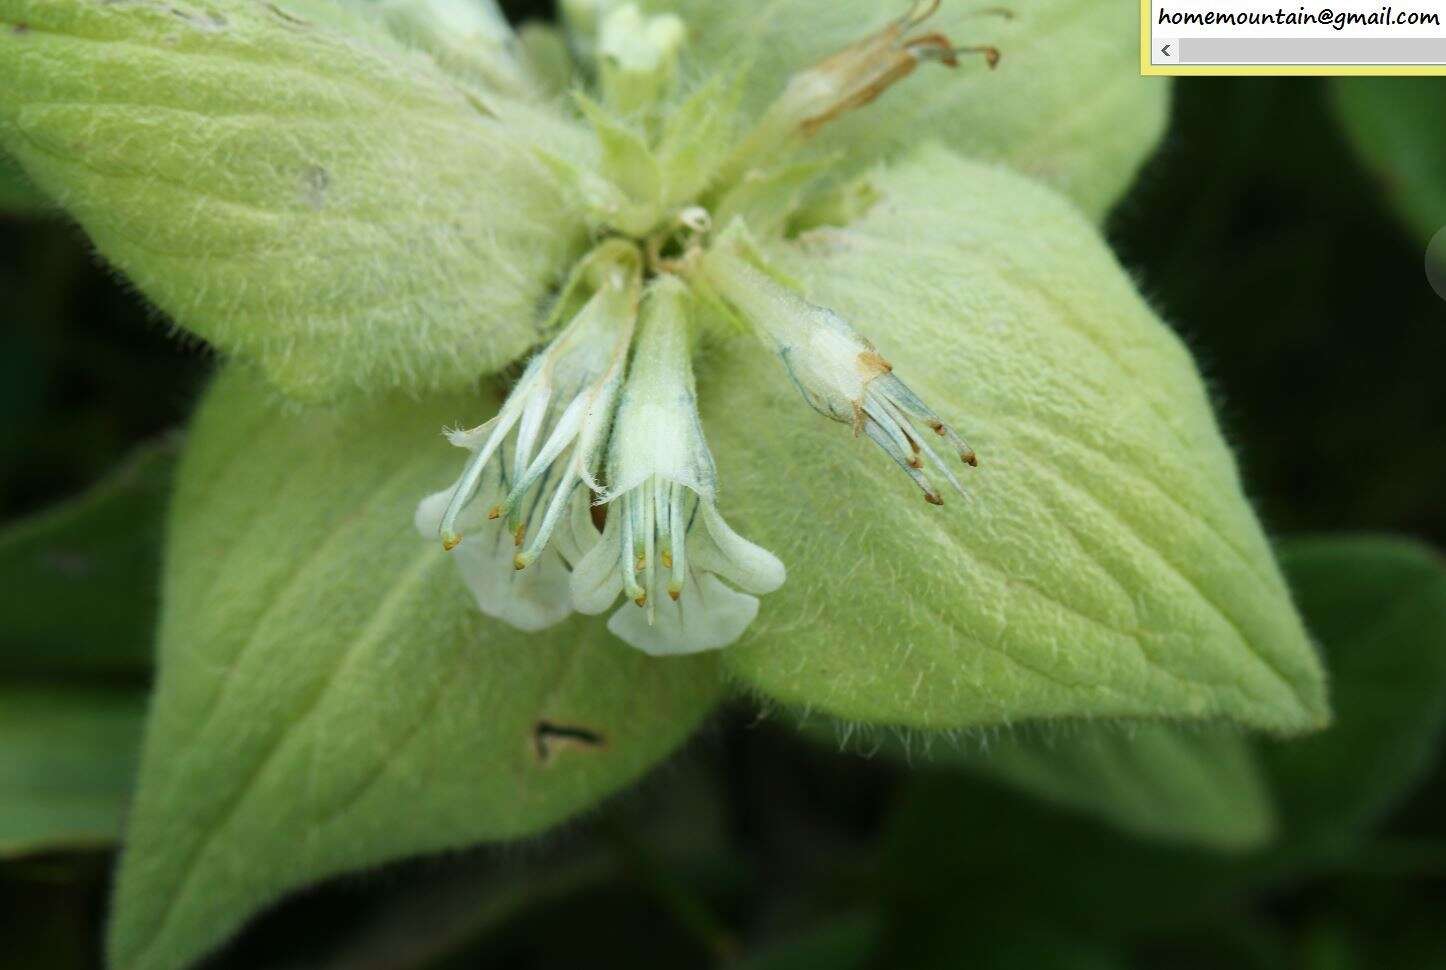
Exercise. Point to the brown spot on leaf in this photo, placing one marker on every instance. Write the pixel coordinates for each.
(548, 737)
(287, 16)
(210, 22)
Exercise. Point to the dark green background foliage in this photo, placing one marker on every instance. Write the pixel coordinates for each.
(1281, 230)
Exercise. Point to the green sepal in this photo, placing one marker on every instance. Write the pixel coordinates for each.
(628, 163)
(695, 137)
(767, 201)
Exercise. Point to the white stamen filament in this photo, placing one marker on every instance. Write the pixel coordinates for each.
(677, 527)
(627, 556)
(654, 540)
(570, 383)
(880, 404)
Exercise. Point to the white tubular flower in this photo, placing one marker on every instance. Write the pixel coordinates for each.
(512, 507)
(665, 546)
(838, 371)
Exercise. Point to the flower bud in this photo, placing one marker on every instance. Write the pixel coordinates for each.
(637, 58)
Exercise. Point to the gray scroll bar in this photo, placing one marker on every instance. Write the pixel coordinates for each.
(1313, 50)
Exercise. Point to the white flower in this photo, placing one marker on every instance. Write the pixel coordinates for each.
(531, 599)
(665, 546)
(837, 370)
(530, 508)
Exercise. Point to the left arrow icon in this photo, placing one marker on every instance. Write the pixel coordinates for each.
(1165, 50)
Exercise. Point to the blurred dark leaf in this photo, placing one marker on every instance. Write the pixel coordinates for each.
(1398, 125)
(961, 853)
(1260, 235)
(843, 943)
(1378, 607)
(434, 913)
(81, 579)
(1041, 953)
(1238, 943)
(67, 757)
(87, 371)
(48, 905)
(1194, 785)
(17, 195)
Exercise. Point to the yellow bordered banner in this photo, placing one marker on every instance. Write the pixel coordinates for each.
(1186, 43)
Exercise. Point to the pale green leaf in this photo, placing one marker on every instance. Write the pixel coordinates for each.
(1398, 127)
(292, 184)
(82, 580)
(329, 696)
(1066, 104)
(67, 755)
(1107, 564)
